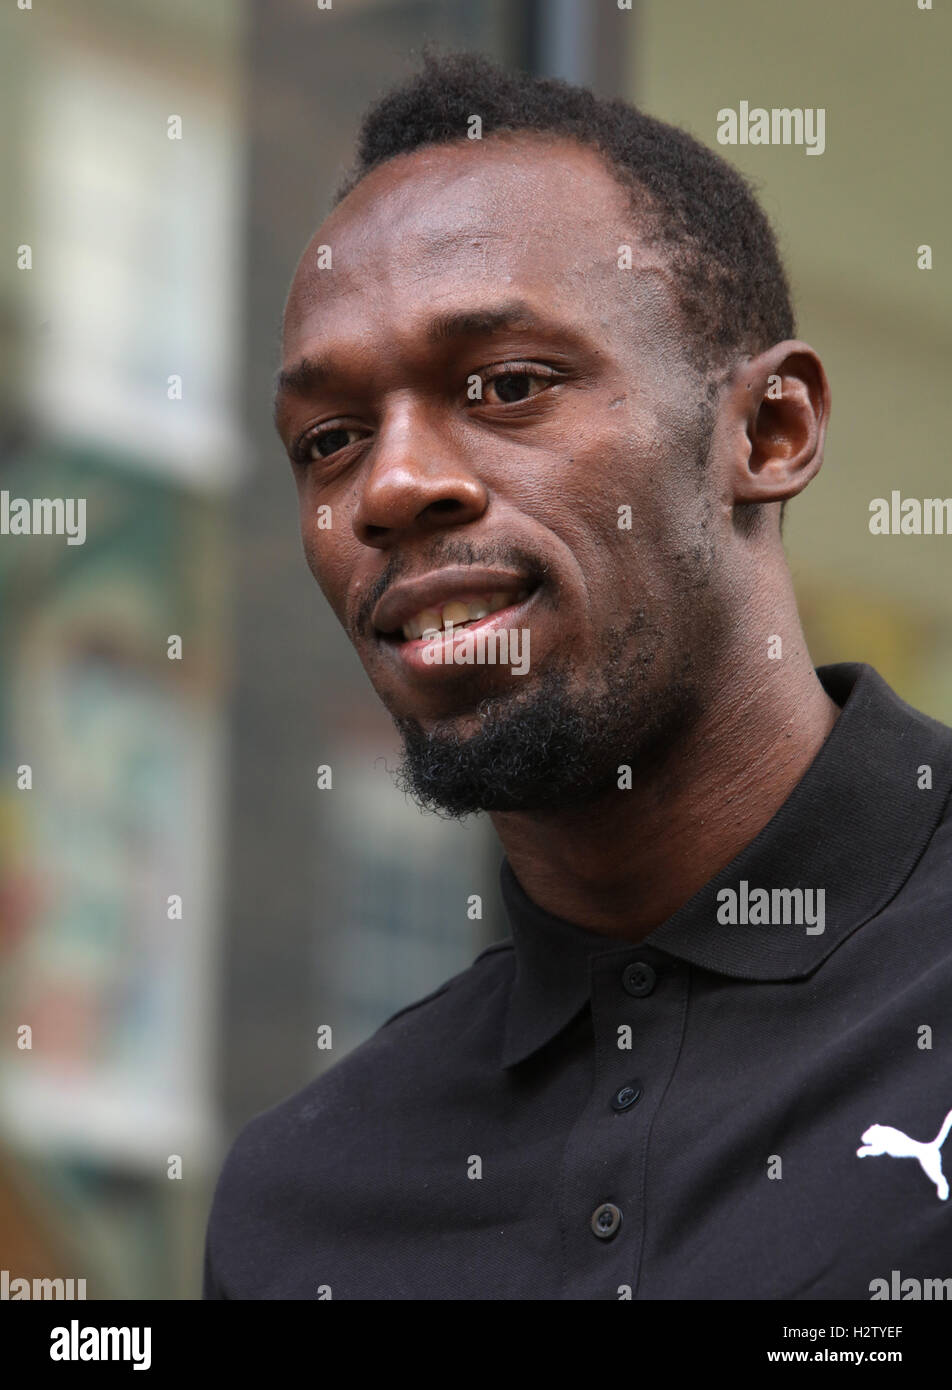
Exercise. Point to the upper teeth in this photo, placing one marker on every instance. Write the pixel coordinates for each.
(457, 611)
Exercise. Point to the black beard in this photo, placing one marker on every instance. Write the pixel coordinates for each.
(553, 748)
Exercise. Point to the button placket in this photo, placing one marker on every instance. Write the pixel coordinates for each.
(603, 1179)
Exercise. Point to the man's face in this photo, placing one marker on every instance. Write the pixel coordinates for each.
(499, 261)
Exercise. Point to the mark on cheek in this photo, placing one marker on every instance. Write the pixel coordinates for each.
(617, 401)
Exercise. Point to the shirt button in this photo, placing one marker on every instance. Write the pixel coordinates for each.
(625, 1098)
(605, 1220)
(639, 979)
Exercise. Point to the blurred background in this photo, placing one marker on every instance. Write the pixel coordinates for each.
(158, 1035)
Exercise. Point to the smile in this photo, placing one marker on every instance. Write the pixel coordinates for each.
(458, 612)
(450, 639)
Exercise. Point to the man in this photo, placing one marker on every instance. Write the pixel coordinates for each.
(545, 383)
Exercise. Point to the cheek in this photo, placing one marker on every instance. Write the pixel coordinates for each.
(314, 543)
(320, 525)
(630, 512)
(599, 506)
(322, 543)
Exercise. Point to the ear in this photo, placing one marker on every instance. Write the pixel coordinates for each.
(777, 405)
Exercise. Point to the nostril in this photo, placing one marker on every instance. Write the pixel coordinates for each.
(446, 504)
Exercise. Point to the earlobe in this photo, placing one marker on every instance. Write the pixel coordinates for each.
(784, 397)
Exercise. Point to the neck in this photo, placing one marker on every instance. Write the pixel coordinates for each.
(624, 864)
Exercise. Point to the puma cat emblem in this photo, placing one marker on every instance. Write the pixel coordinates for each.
(883, 1139)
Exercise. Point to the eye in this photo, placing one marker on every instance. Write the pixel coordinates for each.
(514, 382)
(322, 443)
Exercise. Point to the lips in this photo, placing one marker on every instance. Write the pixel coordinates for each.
(434, 661)
(446, 597)
(457, 613)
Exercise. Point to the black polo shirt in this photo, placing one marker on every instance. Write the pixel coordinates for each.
(574, 1118)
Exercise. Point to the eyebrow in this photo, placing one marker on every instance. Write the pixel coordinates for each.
(468, 322)
(309, 373)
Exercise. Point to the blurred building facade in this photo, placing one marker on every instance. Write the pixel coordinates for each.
(182, 907)
(121, 344)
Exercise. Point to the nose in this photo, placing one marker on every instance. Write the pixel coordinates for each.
(418, 481)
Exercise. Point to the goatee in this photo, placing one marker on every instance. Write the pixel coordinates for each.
(552, 747)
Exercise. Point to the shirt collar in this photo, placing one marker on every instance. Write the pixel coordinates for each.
(854, 826)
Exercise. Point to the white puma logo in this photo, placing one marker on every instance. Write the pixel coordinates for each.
(883, 1139)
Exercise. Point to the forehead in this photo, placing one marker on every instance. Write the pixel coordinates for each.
(423, 231)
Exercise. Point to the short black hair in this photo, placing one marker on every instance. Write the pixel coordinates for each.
(730, 282)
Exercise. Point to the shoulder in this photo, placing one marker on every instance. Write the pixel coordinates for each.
(418, 1041)
(295, 1167)
(491, 966)
(935, 864)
